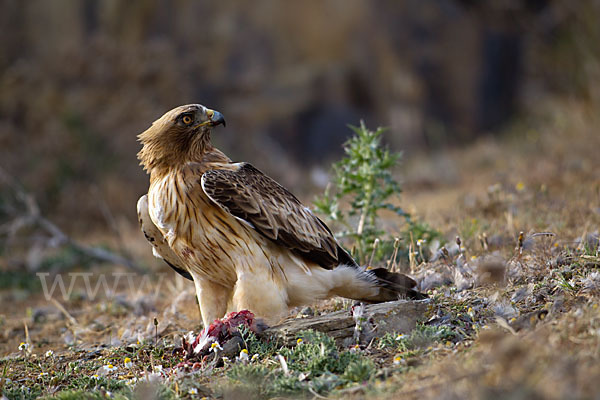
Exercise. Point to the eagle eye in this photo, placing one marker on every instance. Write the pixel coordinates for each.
(187, 119)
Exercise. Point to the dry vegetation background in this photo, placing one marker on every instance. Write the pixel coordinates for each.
(495, 104)
(81, 78)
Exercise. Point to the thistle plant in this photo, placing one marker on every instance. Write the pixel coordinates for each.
(363, 178)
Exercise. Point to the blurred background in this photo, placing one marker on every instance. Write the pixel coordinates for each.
(80, 79)
(494, 103)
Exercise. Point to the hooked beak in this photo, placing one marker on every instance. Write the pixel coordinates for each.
(216, 118)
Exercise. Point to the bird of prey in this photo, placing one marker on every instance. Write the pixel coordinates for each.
(245, 240)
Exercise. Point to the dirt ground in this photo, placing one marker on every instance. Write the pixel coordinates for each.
(509, 318)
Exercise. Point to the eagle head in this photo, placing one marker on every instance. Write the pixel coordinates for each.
(179, 136)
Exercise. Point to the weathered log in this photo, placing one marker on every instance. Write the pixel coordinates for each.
(395, 317)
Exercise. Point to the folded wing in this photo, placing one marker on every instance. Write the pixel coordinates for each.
(253, 197)
(160, 248)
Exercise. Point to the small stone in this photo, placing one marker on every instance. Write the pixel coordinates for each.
(306, 312)
(232, 347)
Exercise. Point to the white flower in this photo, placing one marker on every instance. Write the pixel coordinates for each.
(193, 391)
(109, 368)
(158, 368)
(255, 357)
(24, 346)
(400, 337)
(131, 382)
(421, 242)
(43, 374)
(299, 341)
(215, 347)
(127, 362)
(399, 360)
(95, 377)
(243, 357)
(49, 353)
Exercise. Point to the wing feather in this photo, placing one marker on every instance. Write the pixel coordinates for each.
(160, 248)
(273, 211)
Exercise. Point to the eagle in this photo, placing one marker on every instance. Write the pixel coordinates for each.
(245, 241)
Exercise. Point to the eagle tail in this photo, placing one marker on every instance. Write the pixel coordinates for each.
(370, 285)
(393, 285)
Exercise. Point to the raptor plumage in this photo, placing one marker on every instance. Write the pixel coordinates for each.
(245, 241)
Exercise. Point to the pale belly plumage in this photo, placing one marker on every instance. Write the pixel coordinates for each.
(208, 240)
(233, 266)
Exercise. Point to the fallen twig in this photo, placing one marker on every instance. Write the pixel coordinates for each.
(63, 310)
(34, 217)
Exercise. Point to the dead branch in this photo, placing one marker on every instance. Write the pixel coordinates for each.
(63, 310)
(391, 317)
(33, 217)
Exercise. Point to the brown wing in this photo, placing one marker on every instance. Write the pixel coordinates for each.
(253, 197)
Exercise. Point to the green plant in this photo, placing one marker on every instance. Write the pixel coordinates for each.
(421, 336)
(317, 353)
(254, 345)
(314, 364)
(363, 178)
(360, 370)
(424, 335)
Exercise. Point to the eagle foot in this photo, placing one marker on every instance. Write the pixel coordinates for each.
(222, 337)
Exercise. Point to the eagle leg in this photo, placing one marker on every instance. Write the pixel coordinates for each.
(212, 299)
